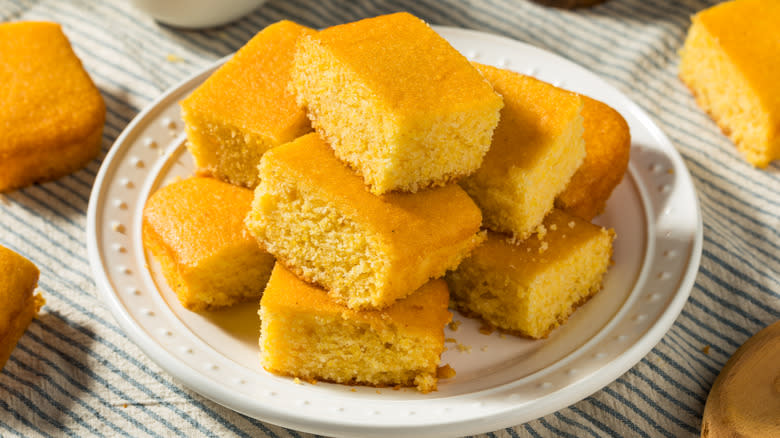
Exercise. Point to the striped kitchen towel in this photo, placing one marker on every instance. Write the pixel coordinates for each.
(74, 373)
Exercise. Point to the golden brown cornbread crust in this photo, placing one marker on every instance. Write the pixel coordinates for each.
(52, 116)
(607, 145)
(195, 229)
(18, 302)
(153, 242)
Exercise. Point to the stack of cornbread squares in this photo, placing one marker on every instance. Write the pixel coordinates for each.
(366, 215)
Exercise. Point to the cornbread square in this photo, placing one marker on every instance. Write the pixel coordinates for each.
(607, 149)
(18, 302)
(305, 334)
(245, 107)
(52, 114)
(395, 101)
(731, 63)
(536, 149)
(316, 216)
(195, 229)
(530, 287)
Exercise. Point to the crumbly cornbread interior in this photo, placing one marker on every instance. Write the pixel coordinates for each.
(245, 108)
(305, 334)
(536, 149)
(531, 287)
(401, 123)
(366, 250)
(314, 239)
(730, 62)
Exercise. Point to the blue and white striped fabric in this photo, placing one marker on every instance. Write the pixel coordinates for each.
(74, 373)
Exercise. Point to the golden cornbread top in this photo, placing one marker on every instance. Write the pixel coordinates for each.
(423, 310)
(409, 67)
(747, 32)
(250, 90)
(196, 217)
(426, 219)
(563, 234)
(47, 96)
(18, 279)
(526, 120)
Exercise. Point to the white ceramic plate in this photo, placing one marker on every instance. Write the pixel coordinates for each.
(503, 380)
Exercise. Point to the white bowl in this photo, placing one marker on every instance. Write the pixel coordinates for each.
(197, 13)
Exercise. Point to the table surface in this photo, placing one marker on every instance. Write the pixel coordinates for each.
(75, 373)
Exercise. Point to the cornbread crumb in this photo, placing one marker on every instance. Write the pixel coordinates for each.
(454, 325)
(452, 340)
(542, 291)
(572, 224)
(463, 348)
(173, 58)
(297, 381)
(366, 250)
(543, 247)
(554, 227)
(244, 108)
(445, 371)
(706, 349)
(730, 62)
(195, 229)
(536, 149)
(400, 123)
(304, 334)
(486, 328)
